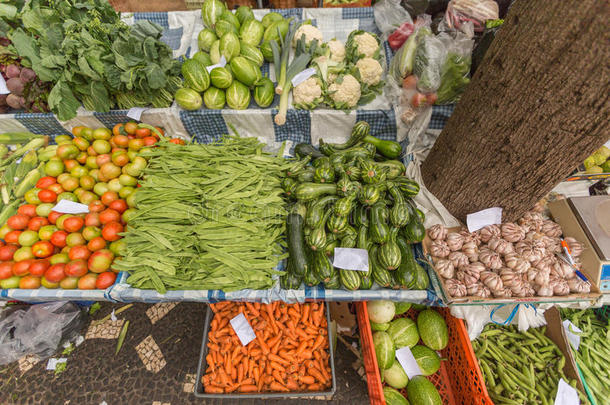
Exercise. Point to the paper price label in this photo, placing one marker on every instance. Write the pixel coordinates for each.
(566, 394)
(53, 362)
(351, 259)
(221, 63)
(407, 361)
(3, 88)
(71, 207)
(242, 329)
(135, 113)
(302, 76)
(478, 220)
(572, 337)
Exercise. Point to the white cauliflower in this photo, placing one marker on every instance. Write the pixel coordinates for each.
(337, 50)
(310, 33)
(370, 71)
(307, 95)
(366, 44)
(345, 94)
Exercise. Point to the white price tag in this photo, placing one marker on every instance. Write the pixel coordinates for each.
(566, 394)
(302, 76)
(572, 337)
(135, 113)
(407, 361)
(52, 363)
(242, 329)
(71, 207)
(221, 63)
(478, 220)
(351, 259)
(113, 317)
(3, 88)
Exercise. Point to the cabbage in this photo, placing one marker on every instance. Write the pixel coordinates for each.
(395, 376)
(238, 96)
(205, 39)
(211, 10)
(381, 311)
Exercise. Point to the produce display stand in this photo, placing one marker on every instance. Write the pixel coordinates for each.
(45, 295)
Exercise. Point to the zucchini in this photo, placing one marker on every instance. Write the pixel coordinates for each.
(349, 240)
(405, 275)
(366, 281)
(409, 187)
(336, 224)
(305, 149)
(289, 185)
(329, 249)
(421, 278)
(361, 215)
(379, 231)
(388, 254)
(393, 168)
(335, 281)
(414, 231)
(399, 213)
(306, 175)
(311, 279)
(346, 187)
(389, 149)
(344, 206)
(360, 130)
(322, 267)
(380, 275)
(297, 166)
(290, 281)
(371, 173)
(323, 161)
(353, 172)
(317, 237)
(311, 191)
(349, 279)
(324, 174)
(369, 194)
(314, 216)
(296, 243)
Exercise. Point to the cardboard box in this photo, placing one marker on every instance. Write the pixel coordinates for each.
(594, 267)
(448, 299)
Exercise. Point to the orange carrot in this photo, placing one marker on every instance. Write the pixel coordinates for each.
(213, 347)
(248, 388)
(268, 379)
(277, 366)
(213, 389)
(252, 309)
(262, 344)
(271, 342)
(278, 377)
(317, 374)
(240, 372)
(301, 349)
(317, 343)
(302, 333)
(276, 386)
(210, 361)
(259, 384)
(278, 359)
(294, 314)
(268, 367)
(291, 384)
(256, 374)
(305, 313)
(314, 387)
(214, 325)
(307, 379)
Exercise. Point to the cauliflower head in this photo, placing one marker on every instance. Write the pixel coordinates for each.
(307, 95)
(345, 94)
(337, 50)
(370, 70)
(310, 33)
(366, 44)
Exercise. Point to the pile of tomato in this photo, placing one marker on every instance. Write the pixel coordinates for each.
(99, 168)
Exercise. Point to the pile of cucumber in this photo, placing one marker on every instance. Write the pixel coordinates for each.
(352, 195)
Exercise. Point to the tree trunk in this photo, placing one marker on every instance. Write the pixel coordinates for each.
(536, 107)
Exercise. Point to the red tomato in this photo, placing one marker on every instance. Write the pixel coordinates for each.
(105, 280)
(76, 268)
(6, 270)
(79, 252)
(109, 215)
(142, 132)
(39, 267)
(87, 282)
(92, 219)
(53, 215)
(100, 261)
(149, 141)
(18, 221)
(12, 237)
(7, 252)
(55, 273)
(27, 209)
(111, 231)
(121, 141)
(431, 98)
(117, 129)
(42, 248)
(131, 127)
(109, 196)
(59, 239)
(96, 244)
(74, 224)
(177, 141)
(45, 182)
(56, 188)
(22, 268)
(47, 196)
(29, 282)
(96, 206)
(37, 222)
(118, 205)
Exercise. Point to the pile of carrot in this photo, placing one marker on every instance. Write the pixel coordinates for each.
(289, 354)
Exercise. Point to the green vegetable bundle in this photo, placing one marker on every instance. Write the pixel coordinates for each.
(593, 352)
(353, 195)
(209, 217)
(520, 367)
(94, 58)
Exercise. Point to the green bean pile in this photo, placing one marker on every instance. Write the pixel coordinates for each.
(520, 367)
(209, 217)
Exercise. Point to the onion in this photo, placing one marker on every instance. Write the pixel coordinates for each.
(12, 71)
(13, 101)
(27, 75)
(437, 232)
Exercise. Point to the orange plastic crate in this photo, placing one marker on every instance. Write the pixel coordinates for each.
(459, 379)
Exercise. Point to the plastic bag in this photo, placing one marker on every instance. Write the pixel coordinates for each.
(38, 330)
(476, 12)
(401, 65)
(455, 70)
(427, 63)
(389, 16)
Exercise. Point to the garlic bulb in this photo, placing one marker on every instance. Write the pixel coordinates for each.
(489, 232)
(502, 293)
(543, 277)
(478, 290)
(512, 232)
(456, 288)
(468, 277)
(531, 221)
(437, 232)
(471, 237)
(552, 245)
(543, 291)
(551, 229)
(491, 280)
(546, 263)
(490, 259)
(500, 246)
(520, 288)
(579, 286)
(477, 267)
(560, 287)
(575, 246)
(444, 267)
(563, 270)
(439, 249)
(455, 241)
(458, 259)
(509, 277)
(471, 250)
(530, 250)
(516, 262)
(540, 206)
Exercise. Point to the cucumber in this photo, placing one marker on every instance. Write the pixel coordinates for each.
(414, 231)
(311, 191)
(409, 187)
(334, 283)
(290, 281)
(296, 243)
(394, 168)
(380, 275)
(311, 279)
(389, 149)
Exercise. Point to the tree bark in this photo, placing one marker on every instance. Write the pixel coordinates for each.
(536, 107)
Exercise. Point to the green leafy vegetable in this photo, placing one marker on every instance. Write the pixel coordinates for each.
(454, 78)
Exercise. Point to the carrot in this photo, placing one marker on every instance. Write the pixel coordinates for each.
(252, 309)
(259, 384)
(260, 325)
(276, 386)
(240, 372)
(283, 318)
(213, 347)
(255, 353)
(314, 387)
(262, 344)
(224, 331)
(307, 379)
(306, 355)
(222, 323)
(268, 379)
(317, 343)
(236, 353)
(301, 349)
(271, 342)
(278, 377)
(277, 366)
(248, 388)
(305, 313)
(213, 389)
(256, 374)
(302, 333)
(268, 368)
(214, 325)
(233, 373)
(222, 376)
(210, 361)
(278, 359)
(324, 370)
(291, 384)
(317, 374)
(294, 314)
(276, 346)
(271, 319)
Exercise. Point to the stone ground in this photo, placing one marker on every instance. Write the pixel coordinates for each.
(156, 365)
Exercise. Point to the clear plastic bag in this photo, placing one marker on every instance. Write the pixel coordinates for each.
(455, 70)
(460, 12)
(38, 330)
(390, 15)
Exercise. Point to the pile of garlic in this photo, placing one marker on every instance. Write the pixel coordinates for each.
(507, 260)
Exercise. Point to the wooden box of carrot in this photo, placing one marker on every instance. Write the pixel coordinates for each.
(288, 351)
